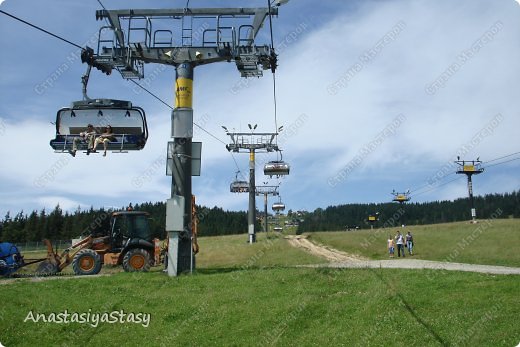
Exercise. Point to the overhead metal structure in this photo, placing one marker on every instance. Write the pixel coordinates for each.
(184, 38)
(470, 168)
(128, 122)
(401, 197)
(251, 143)
(176, 36)
(373, 218)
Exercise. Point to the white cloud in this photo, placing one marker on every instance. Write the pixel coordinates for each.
(65, 203)
(335, 126)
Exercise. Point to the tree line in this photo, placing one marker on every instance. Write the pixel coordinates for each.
(59, 225)
(392, 214)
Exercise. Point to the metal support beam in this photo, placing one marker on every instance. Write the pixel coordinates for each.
(128, 55)
(251, 216)
(179, 12)
(180, 250)
(265, 213)
(252, 143)
(471, 200)
(266, 191)
(470, 168)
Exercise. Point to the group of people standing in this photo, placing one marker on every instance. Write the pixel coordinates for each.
(89, 136)
(401, 241)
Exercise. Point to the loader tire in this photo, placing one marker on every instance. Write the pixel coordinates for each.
(136, 260)
(86, 262)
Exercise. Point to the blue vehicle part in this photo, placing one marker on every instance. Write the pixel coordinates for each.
(10, 258)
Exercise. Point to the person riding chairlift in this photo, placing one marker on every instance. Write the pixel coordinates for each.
(88, 136)
(104, 138)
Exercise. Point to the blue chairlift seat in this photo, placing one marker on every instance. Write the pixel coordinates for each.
(239, 187)
(128, 125)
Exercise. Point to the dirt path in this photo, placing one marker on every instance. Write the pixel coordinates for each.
(339, 259)
(331, 254)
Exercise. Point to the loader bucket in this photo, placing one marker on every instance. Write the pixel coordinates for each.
(51, 265)
(46, 267)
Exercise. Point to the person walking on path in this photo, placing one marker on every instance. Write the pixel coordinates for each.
(399, 240)
(391, 246)
(409, 243)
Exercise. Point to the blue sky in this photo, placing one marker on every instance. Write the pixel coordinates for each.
(374, 96)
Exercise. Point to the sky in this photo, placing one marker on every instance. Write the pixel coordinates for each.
(374, 96)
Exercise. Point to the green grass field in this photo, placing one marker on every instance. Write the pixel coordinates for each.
(252, 295)
(235, 252)
(282, 307)
(488, 242)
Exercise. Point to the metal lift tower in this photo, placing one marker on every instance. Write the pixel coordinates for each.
(183, 38)
(372, 219)
(266, 191)
(470, 168)
(401, 198)
(252, 143)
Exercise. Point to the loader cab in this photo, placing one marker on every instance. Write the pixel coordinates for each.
(129, 226)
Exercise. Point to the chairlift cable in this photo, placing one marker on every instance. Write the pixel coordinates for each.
(104, 8)
(503, 162)
(430, 184)
(273, 70)
(485, 167)
(198, 126)
(485, 162)
(78, 46)
(275, 108)
(41, 29)
(152, 94)
(438, 186)
(165, 103)
(505, 156)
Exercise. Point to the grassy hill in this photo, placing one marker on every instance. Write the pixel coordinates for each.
(280, 307)
(252, 295)
(235, 252)
(493, 242)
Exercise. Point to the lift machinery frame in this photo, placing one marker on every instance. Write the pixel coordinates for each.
(217, 41)
(252, 143)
